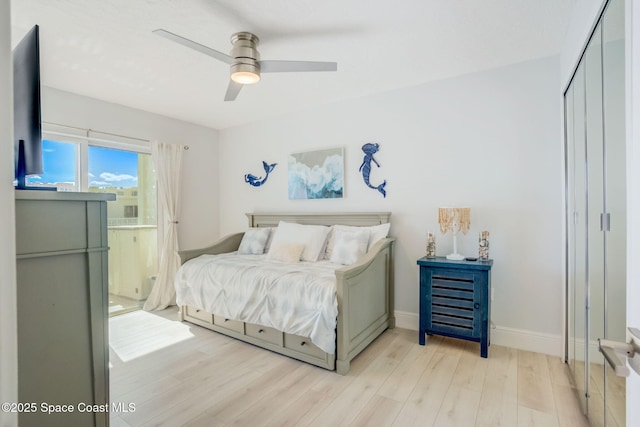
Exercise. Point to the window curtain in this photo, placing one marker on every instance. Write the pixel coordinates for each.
(167, 160)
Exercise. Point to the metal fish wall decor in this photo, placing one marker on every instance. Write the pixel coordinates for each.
(257, 181)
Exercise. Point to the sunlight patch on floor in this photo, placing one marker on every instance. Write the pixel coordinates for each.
(157, 333)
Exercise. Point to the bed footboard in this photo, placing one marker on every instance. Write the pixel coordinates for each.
(365, 302)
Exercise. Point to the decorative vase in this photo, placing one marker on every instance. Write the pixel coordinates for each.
(483, 246)
(431, 245)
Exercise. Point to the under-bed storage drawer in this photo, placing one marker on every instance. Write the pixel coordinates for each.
(232, 325)
(264, 333)
(196, 313)
(303, 345)
(295, 346)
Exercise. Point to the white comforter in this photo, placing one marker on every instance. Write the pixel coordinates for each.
(296, 298)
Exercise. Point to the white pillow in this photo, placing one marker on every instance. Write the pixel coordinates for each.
(313, 238)
(254, 241)
(377, 232)
(285, 252)
(350, 245)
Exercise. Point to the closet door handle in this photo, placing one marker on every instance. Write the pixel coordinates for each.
(629, 351)
(476, 305)
(605, 222)
(608, 349)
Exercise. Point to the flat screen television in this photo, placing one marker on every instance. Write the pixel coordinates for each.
(27, 126)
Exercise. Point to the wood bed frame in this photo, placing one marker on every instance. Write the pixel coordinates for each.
(365, 295)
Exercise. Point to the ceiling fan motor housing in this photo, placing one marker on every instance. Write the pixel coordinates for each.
(245, 54)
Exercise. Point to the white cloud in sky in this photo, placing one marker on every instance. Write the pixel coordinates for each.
(91, 175)
(112, 177)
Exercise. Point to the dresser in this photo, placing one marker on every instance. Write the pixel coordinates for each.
(455, 300)
(62, 298)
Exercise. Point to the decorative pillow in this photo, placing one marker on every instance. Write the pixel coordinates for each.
(313, 238)
(285, 252)
(272, 232)
(254, 241)
(350, 245)
(377, 232)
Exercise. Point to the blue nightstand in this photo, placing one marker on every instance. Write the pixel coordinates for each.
(455, 299)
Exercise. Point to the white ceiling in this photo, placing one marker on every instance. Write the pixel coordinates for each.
(105, 48)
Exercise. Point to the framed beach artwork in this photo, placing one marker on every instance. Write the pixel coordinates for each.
(316, 174)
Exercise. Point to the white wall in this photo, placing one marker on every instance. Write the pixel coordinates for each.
(8, 328)
(487, 140)
(199, 214)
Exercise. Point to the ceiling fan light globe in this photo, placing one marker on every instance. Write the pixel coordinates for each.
(245, 77)
(246, 71)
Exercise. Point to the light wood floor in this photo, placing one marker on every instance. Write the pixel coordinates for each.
(616, 395)
(180, 374)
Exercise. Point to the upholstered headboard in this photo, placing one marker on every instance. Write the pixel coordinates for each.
(271, 219)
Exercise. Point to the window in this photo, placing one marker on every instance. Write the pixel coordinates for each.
(59, 165)
(76, 164)
(131, 211)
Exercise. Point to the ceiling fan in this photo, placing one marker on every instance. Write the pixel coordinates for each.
(245, 61)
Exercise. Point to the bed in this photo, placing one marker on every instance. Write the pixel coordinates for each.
(363, 294)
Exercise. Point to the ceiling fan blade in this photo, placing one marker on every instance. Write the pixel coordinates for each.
(193, 45)
(232, 90)
(294, 66)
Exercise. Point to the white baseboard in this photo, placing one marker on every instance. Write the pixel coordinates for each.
(500, 335)
(528, 340)
(406, 320)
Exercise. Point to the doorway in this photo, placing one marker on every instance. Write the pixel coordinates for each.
(132, 220)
